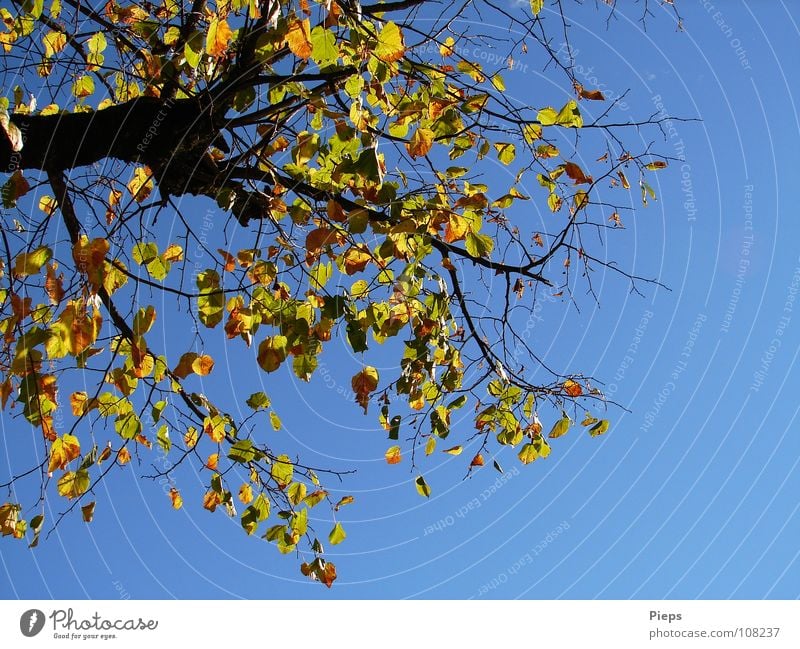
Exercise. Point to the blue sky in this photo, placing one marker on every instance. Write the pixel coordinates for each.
(693, 492)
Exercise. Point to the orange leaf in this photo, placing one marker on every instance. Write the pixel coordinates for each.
(123, 456)
(299, 38)
(477, 460)
(420, 143)
(363, 383)
(230, 260)
(218, 37)
(572, 389)
(213, 461)
(393, 456)
(202, 365)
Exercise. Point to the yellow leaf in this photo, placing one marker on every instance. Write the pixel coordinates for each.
(299, 38)
(246, 494)
(123, 456)
(141, 184)
(422, 487)
(218, 37)
(213, 461)
(54, 42)
(65, 449)
(455, 450)
(175, 497)
(190, 438)
(560, 428)
(390, 44)
(211, 500)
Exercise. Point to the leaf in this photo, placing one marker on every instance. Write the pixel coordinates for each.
(477, 460)
(36, 527)
(73, 484)
(337, 534)
(275, 421)
(83, 86)
(363, 384)
(128, 425)
(569, 116)
(390, 44)
(455, 450)
(346, 500)
(272, 352)
(123, 456)
(430, 445)
(15, 187)
(11, 131)
(175, 497)
(214, 427)
(561, 427)
(30, 263)
(243, 452)
(479, 245)
(572, 388)
(323, 46)
(299, 38)
(64, 449)
(202, 365)
(218, 37)
(88, 512)
(536, 6)
(599, 428)
(393, 455)
(246, 494)
(282, 471)
(422, 487)
(296, 493)
(9, 514)
(140, 186)
(656, 165)
(315, 498)
(506, 152)
(213, 461)
(527, 454)
(258, 401)
(420, 143)
(162, 438)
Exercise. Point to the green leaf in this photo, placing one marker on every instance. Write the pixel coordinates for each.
(73, 484)
(506, 152)
(258, 401)
(275, 421)
(257, 513)
(128, 426)
(282, 471)
(162, 438)
(422, 487)
(337, 534)
(479, 245)
(296, 493)
(561, 427)
(323, 46)
(569, 116)
(599, 428)
(210, 303)
(30, 263)
(243, 452)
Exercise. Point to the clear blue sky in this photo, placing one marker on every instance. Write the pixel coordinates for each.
(692, 494)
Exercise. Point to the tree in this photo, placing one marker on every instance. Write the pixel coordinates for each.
(348, 145)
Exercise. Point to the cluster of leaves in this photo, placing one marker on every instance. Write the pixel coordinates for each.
(352, 141)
